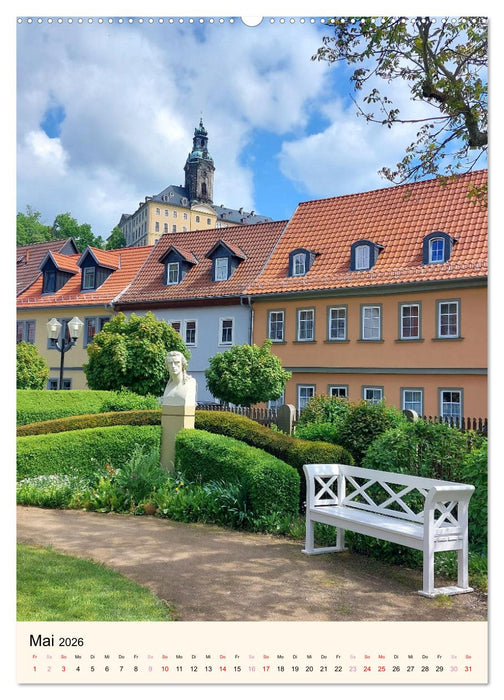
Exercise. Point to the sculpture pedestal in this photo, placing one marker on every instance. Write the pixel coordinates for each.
(173, 419)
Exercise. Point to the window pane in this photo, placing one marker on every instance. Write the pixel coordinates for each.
(448, 319)
(362, 257)
(451, 405)
(373, 394)
(410, 321)
(337, 324)
(412, 400)
(276, 325)
(221, 269)
(338, 391)
(436, 250)
(299, 264)
(371, 323)
(305, 325)
(190, 332)
(305, 393)
(227, 331)
(173, 273)
(175, 325)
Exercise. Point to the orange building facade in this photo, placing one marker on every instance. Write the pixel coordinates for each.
(383, 295)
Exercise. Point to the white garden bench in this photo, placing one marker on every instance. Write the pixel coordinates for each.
(425, 514)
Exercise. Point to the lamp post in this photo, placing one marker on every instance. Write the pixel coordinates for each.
(61, 343)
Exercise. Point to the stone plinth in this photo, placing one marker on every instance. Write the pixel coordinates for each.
(173, 419)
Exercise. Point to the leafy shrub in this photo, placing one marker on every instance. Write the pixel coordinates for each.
(49, 490)
(32, 371)
(128, 401)
(81, 451)
(475, 472)
(324, 409)
(91, 420)
(270, 484)
(293, 451)
(324, 432)
(363, 423)
(432, 450)
(39, 405)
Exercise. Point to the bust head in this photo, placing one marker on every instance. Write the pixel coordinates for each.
(176, 365)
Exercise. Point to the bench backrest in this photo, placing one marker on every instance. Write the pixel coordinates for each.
(387, 493)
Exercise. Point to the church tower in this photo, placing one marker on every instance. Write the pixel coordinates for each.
(199, 168)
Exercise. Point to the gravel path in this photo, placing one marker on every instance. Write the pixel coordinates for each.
(210, 573)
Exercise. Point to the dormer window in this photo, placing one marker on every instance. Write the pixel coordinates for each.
(299, 265)
(177, 263)
(172, 273)
(221, 269)
(362, 257)
(56, 269)
(300, 262)
(437, 248)
(225, 257)
(88, 277)
(364, 254)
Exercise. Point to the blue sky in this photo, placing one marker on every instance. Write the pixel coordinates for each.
(106, 113)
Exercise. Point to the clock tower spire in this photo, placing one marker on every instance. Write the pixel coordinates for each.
(199, 168)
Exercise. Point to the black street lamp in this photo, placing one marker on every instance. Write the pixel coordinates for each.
(62, 344)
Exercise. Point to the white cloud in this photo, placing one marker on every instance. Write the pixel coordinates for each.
(132, 97)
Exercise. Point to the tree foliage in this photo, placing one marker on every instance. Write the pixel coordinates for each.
(444, 64)
(246, 375)
(32, 371)
(116, 239)
(130, 354)
(29, 228)
(65, 226)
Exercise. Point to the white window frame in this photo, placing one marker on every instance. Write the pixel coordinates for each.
(190, 343)
(303, 325)
(276, 403)
(373, 331)
(374, 390)
(362, 257)
(88, 272)
(330, 334)
(436, 256)
(221, 269)
(172, 267)
(222, 321)
(177, 326)
(277, 321)
(339, 388)
(441, 315)
(408, 404)
(302, 401)
(403, 335)
(299, 265)
(443, 405)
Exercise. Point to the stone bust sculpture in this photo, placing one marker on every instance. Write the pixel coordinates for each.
(181, 387)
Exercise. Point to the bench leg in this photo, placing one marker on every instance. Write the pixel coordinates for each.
(310, 541)
(462, 581)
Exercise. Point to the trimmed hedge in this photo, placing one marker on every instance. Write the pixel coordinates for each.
(81, 451)
(91, 420)
(271, 486)
(293, 451)
(35, 405)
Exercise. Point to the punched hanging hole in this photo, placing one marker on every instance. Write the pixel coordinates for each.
(252, 21)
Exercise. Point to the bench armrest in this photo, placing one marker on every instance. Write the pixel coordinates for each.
(321, 484)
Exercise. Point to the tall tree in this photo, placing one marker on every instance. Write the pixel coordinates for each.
(444, 64)
(65, 226)
(116, 239)
(29, 228)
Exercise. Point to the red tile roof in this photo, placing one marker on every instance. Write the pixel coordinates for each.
(255, 241)
(67, 263)
(105, 258)
(396, 218)
(29, 257)
(129, 261)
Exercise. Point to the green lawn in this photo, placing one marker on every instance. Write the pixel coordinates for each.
(53, 586)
